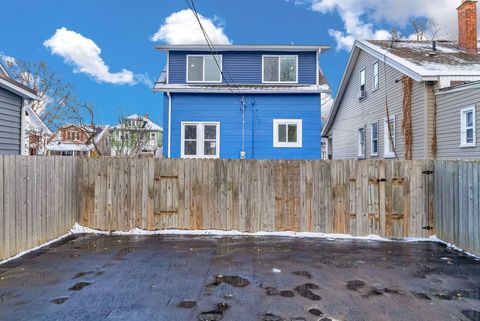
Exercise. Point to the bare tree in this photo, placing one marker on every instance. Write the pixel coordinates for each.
(421, 27)
(56, 96)
(83, 116)
(132, 136)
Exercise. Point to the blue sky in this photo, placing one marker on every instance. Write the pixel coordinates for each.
(122, 30)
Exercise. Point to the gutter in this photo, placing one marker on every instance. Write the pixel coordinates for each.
(169, 123)
(22, 129)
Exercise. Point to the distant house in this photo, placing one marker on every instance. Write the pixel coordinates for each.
(393, 98)
(136, 135)
(242, 101)
(14, 99)
(37, 134)
(73, 140)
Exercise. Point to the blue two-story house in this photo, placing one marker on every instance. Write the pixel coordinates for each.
(242, 101)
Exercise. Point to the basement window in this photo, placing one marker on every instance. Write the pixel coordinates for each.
(468, 127)
(200, 140)
(287, 133)
(280, 69)
(204, 68)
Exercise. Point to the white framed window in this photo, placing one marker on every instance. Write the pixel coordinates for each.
(362, 80)
(361, 146)
(200, 140)
(204, 68)
(280, 69)
(374, 139)
(468, 130)
(376, 78)
(389, 144)
(287, 133)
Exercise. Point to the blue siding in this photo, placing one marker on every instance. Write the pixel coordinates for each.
(261, 111)
(10, 123)
(241, 67)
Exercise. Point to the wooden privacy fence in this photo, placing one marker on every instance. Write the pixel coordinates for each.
(386, 198)
(38, 201)
(457, 203)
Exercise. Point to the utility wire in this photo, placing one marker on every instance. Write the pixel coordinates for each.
(213, 51)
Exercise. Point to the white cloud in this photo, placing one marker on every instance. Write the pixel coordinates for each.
(183, 28)
(84, 55)
(360, 17)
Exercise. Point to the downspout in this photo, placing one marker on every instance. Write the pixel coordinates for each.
(22, 129)
(169, 123)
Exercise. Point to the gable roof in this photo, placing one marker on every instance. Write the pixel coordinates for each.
(415, 59)
(17, 88)
(36, 122)
(150, 125)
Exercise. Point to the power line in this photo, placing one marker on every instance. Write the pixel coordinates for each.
(212, 49)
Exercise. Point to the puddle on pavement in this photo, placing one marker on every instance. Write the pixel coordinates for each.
(305, 291)
(271, 317)
(60, 300)
(472, 315)
(421, 296)
(314, 311)
(187, 304)
(79, 286)
(210, 316)
(303, 273)
(355, 285)
(222, 307)
(459, 294)
(287, 294)
(236, 281)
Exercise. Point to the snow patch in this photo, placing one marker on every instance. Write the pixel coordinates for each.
(36, 248)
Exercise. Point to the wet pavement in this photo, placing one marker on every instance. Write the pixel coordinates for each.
(93, 277)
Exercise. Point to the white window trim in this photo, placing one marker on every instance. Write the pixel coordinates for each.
(386, 136)
(372, 153)
(279, 76)
(377, 85)
(463, 128)
(361, 154)
(203, 73)
(200, 139)
(298, 143)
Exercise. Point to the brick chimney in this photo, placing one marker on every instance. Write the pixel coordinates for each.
(467, 26)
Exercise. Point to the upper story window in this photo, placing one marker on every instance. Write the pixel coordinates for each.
(204, 68)
(376, 78)
(468, 130)
(280, 69)
(287, 133)
(374, 140)
(389, 138)
(362, 80)
(361, 146)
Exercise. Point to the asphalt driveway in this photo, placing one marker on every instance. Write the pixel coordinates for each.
(93, 277)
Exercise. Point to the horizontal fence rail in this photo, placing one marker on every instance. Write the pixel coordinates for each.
(386, 198)
(42, 197)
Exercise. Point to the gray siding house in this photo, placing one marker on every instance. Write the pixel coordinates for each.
(458, 121)
(388, 103)
(13, 99)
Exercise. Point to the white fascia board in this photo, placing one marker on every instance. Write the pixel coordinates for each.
(222, 90)
(17, 90)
